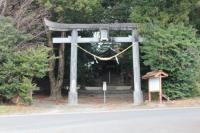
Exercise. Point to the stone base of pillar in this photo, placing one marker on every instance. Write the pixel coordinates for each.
(72, 98)
(138, 98)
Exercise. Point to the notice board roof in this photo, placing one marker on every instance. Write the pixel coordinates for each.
(154, 74)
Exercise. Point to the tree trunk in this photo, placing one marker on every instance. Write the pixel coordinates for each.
(4, 7)
(61, 65)
(51, 65)
(56, 81)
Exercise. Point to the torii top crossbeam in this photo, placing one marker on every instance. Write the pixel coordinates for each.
(54, 26)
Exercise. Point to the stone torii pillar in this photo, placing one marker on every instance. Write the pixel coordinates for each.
(73, 95)
(137, 94)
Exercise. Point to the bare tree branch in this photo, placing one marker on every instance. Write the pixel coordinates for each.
(4, 4)
(27, 14)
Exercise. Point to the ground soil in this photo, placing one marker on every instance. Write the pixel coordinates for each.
(90, 103)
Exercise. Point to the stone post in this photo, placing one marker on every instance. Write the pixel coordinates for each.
(137, 94)
(73, 95)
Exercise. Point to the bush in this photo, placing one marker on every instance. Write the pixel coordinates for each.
(18, 67)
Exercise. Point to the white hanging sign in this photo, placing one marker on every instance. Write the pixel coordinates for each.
(116, 59)
(104, 86)
(96, 60)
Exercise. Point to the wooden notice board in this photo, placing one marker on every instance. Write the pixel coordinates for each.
(155, 82)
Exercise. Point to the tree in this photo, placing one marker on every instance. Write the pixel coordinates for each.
(56, 75)
(177, 52)
(162, 11)
(27, 14)
(194, 16)
(74, 11)
(18, 66)
(170, 43)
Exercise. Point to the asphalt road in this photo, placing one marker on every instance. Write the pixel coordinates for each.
(179, 120)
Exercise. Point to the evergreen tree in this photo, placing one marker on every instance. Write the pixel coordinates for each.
(19, 66)
(170, 43)
(174, 49)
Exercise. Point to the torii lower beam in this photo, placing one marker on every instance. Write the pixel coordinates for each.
(94, 40)
(91, 39)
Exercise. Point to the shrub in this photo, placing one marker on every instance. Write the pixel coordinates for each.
(18, 67)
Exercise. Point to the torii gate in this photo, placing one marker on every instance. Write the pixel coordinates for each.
(74, 39)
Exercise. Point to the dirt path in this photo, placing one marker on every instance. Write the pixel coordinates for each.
(42, 104)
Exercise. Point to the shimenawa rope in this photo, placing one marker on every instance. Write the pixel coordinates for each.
(103, 58)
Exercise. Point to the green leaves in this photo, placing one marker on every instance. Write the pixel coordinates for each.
(170, 42)
(74, 11)
(162, 11)
(18, 67)
(176, 50)
(33, 62)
